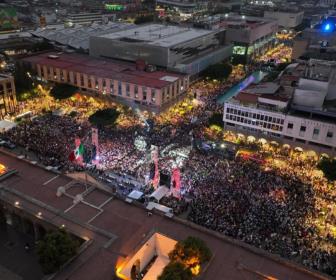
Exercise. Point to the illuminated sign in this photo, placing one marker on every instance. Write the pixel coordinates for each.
(114, 7)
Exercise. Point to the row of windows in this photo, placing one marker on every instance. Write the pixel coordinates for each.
(171, 91)
(261, 124)
(255, 116)
(316, 131)
(95, 85)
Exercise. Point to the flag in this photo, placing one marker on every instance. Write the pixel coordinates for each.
(72, 156)
(79, 151)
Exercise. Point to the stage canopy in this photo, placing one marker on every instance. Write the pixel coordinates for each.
(159, 193)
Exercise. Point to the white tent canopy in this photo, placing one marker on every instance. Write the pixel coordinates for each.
(159, 193)
(135, 195)
(6, 125)
(162, 208)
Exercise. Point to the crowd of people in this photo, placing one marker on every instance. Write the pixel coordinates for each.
(285, 210)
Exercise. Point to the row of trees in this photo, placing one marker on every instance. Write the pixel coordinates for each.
(186, 259)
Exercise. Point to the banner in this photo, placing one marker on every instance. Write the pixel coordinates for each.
(155, 159)
(94, 137)
(175, 187)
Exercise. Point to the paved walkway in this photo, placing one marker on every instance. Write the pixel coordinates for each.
(14, 258)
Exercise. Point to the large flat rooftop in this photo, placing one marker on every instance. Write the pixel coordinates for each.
(158, 34)
(78, 37)
(129, 226)
(104, 68)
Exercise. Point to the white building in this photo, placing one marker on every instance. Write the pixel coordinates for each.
(297, 116)
(156, 248)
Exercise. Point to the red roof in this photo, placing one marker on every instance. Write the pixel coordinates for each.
(104, 68)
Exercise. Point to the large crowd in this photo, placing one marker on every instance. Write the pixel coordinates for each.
(285, 210)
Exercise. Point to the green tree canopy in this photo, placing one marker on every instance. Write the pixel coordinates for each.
(219, 71)
(55, 249)
(144, 19)
(191, 251)
(63, 91)
(104, 117)
(175, 271)
(216, 119)
(328, 166)
(23, 81)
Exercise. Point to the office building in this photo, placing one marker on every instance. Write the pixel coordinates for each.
(250, 36)
(181, 49)
(298, 110)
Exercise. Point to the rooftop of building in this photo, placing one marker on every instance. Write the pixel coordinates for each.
(78, 37)
(105, 68)
(158, 34)
(121, 228)
(243, 21)
(265, 90)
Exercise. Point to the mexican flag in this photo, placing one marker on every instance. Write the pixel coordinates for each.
(79, 152)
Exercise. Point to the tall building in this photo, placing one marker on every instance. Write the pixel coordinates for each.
(7, 95)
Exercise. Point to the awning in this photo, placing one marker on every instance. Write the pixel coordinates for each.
(135, 195)
(6, 125)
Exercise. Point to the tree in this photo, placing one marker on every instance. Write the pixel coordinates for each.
(192, 252)
(63, 91)
(55, 249)
(192, 246)
(328, 166)
(23, 81)
(219, 71)
(216, 119)
(144, 19)
(175, 271)
(104, 117)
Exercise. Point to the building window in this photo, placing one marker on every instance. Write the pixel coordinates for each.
(330, 134)
(112, 86)
(290, 125)
(153, 95)
(316, 131)
(302, 128)
(136, 90)
(128, 90)
(144, 93)
(119, 88)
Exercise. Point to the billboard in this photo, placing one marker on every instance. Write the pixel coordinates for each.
(8, 19)
(115, 7)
